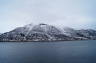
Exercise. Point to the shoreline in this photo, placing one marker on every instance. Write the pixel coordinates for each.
(45, 41)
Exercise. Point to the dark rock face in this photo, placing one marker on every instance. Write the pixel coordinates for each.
(45, 32)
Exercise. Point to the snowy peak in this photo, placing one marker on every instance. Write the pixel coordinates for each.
(29, 25)
(46, 32)
(45, 28)
(42, 24)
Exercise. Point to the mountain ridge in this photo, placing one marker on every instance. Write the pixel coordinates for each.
(46, 32)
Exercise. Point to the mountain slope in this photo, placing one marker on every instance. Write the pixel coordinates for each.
(40, 32)
(45, 32)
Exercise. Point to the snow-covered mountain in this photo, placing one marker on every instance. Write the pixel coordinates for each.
(88, 33)
(45, 32)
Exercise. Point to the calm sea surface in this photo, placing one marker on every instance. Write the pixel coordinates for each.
(48, 52)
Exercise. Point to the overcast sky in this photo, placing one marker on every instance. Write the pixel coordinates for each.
(72, 13)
